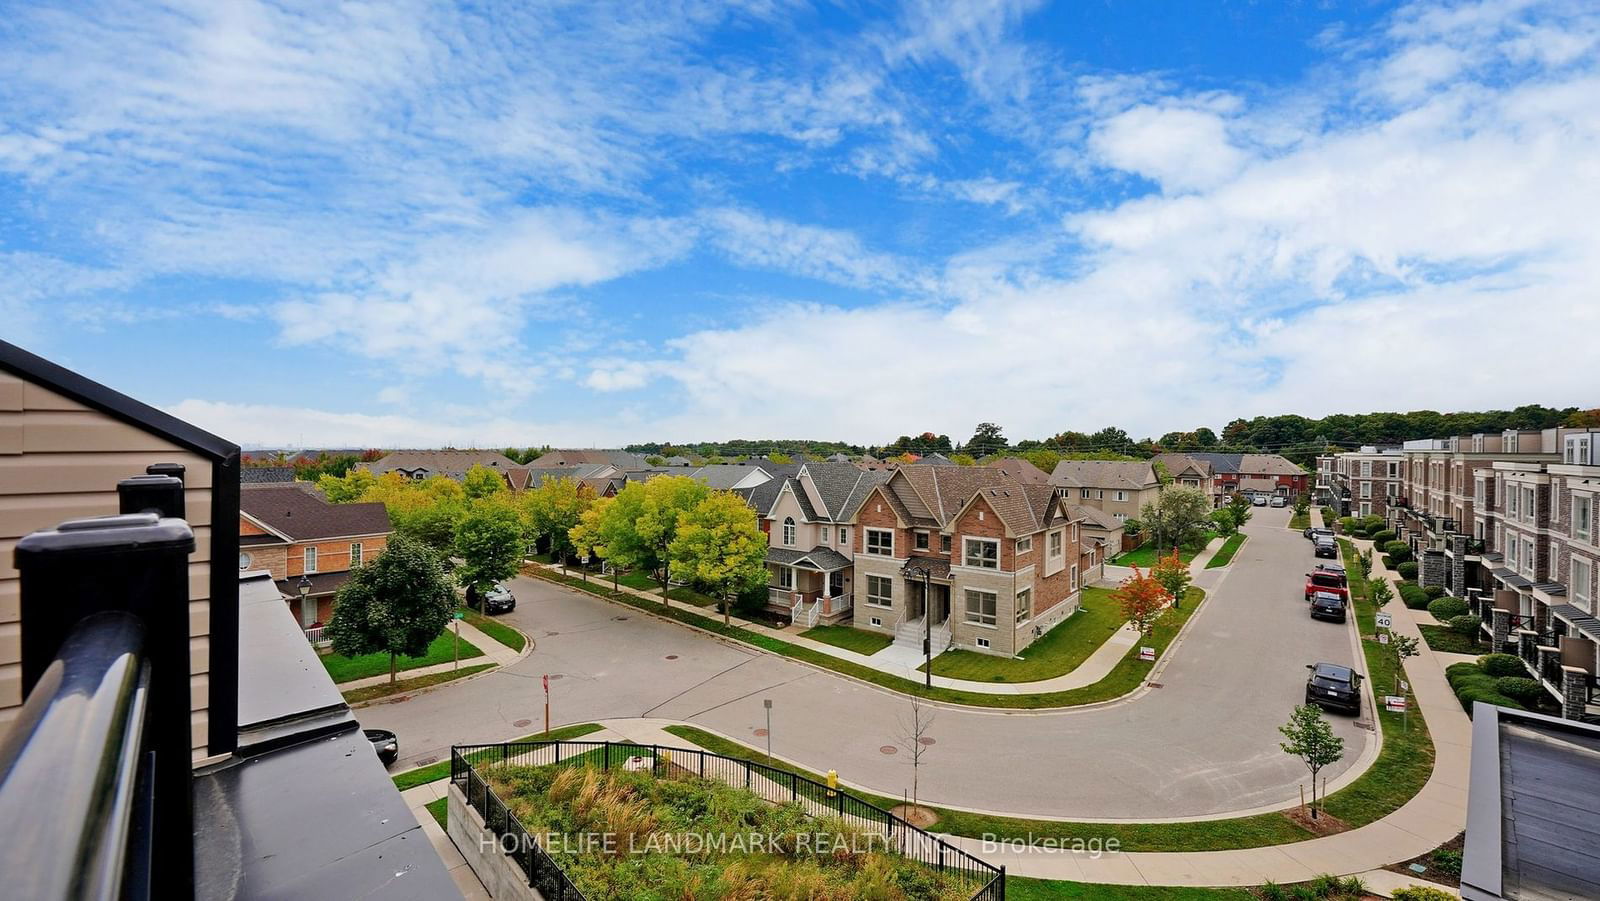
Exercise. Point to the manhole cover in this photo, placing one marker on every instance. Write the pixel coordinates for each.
(761, 733)
(888, 749)
(520, 723)
(672, 656)
(424, 761)
(554, 676)
(619, 619)
(925, 742)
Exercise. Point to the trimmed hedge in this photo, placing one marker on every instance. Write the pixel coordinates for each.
(1520, 689)
(1413, 596)
(1500, 665)
(1434, 591)
(1422, 893)
(1380, 538)
(1388, 561)
(1466, 624)
(1407, 570)
(1470, 683)
(1446, 608)
(1358, 533)
(1401, 554)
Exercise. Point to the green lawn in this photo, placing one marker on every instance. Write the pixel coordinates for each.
(1224, 554)
(1057, 653)
(1128, 674)
(641, 581)
(440, 808)
(384, 689)
(495, 629)
(850, 638)
(346, 669)
(1300, 521)
(1021, 889)
(1144, 556)
(436, 771)
(1443, 638)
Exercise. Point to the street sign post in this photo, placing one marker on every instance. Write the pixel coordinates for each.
(547, 704)
(1385, 620)
(455, 643)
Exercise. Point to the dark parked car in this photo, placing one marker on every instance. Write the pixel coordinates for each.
(1314, 531)
(1326, 548)
(385, 743)
(1334, 687)
(499, 599)
(1327, 605)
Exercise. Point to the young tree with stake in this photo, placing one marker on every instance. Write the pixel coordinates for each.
(914, 725)
(1142, 599)
(1173, 574)
(1311, 739)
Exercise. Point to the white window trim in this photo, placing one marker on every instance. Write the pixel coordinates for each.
(967, 612)
(966, 554)
(357, 554)
(790, 532)
(1586, 537)
(866, 542)
(1021, 619)
(1072, 581)
(1586, 603)
(308, 559)
(1025, 544)
(786, 575)
(921, 540)
(868, 596)
(844, 535)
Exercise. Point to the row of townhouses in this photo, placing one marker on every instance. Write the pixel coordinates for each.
(1506, 521)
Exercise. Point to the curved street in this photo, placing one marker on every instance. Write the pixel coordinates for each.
(1204, 743)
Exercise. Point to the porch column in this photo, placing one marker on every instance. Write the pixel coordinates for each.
(1574, 691)
(1502, 629)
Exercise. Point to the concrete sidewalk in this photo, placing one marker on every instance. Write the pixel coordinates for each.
(493, 652)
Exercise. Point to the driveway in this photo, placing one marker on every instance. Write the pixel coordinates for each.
(1205, 742)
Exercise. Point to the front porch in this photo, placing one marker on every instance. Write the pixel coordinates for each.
(810, 588)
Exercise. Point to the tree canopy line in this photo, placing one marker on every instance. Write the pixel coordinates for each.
(1299, 438)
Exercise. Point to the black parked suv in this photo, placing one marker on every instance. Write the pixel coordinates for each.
(1326, 605)
(499, 599)
(1326, 548)
(1334, 687)
(384, 743)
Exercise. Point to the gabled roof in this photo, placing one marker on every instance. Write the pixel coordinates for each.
(726, 475)
(841, 486)
(1117, 474)
(1024, 509)
(1180, 464)
(824, 558)
(299, 514)
(1098, 519)
(934, 495)
(1020, 470)
(1268, 464)
(793, 486)
(621, 459)
(1221, 463)
(264, 475)
(452, 463)
(761, 497)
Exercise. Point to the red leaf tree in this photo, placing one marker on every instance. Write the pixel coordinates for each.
(1142, 599)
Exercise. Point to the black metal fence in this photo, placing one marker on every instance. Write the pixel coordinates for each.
(770, 783)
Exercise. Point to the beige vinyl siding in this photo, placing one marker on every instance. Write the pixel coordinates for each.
(60, 460)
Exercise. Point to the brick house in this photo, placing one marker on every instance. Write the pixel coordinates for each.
(291, 532)
(991, 564)
(1255, 473)
(1118, 488)
(1365, 482)
(810, 526)
(420, 464)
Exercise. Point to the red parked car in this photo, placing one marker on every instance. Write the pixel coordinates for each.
(1328, 581)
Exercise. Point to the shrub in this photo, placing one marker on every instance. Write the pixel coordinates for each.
(1448, 861)
(1399, 555)
(1421, 893)
(1372, 522)
(1395, 547)
(1465, 624)
(1382, 537)
(1358, 533)
(1500, 665)
(1407, 570)
(1412, 595)
(1468, 696)
(1517, 688)
(1434, 591)
(1446, 608)
(1388, 561)
(1346, 523)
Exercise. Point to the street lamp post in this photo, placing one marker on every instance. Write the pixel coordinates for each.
(304, 586)
(767, 703)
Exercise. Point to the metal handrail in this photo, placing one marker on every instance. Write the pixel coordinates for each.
(768, 782)
(84, 836)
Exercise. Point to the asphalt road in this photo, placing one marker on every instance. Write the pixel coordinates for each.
(1205, 742)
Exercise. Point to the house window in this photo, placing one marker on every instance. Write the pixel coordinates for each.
(310, 560)
(983, 553)
(1119, 495)
(1083, 493)
(1366, 468)
(1055, 547)
(1527, 504)
(944, 543)
(1527, 557)
(920, 540)
(355, 554)
(1024, 605)
(844, 535)
(880, 542)
(876, 620)
(1025, 545)
(1511, 552)
(1579, 579)
(1583, 516)
(785, 577)
(980, 642)
(880, 591)
(822, 535)
(788, 531)
(1366, 489)
(980, 607)
(1073, 579)
(1511, 499)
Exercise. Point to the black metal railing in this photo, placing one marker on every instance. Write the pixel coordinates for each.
(770, 783)
(75, 794)
(1550, 670)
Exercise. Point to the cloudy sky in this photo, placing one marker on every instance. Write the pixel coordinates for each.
(586, 224)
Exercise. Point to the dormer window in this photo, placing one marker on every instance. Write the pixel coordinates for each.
(788, 531)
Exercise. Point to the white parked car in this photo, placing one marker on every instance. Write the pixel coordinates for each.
(1279, 501)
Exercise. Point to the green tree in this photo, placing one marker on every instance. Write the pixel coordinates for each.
(1311, 739)
(606, 535)
(488, 539)
(1173, 575)
(482, 481)
(1379, 592)
(397, 604)
(553, 509)
(350, 487)
(780, 458)
(963, 460)
(636, 528)
(986, 439)
(1225, 523)
(1240, 507)
(719, 546)
(1176, 517)
(426, 510)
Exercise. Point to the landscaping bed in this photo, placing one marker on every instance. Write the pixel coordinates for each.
(442, 650)
(1300, 521)
(850, 638)
(1449, 641)
(1056, 653)
(640, 810)
(1224, 554)
(433, 772)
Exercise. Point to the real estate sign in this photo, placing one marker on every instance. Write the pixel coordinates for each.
(1147, 654)
(1394, 703)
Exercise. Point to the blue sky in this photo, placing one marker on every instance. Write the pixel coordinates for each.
(590, 223)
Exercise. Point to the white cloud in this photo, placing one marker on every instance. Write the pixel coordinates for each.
(827, 254)
(1182, 148)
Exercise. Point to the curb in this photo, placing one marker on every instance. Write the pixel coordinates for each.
(493, 668)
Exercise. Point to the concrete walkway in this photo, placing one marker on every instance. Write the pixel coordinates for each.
(896, 662)
(493, 652)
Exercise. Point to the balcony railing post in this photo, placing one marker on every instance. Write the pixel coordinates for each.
(138, 564)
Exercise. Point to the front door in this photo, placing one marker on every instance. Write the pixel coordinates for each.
(941, 603)
(836, 583)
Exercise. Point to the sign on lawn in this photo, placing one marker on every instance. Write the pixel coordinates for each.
(1147, 654)
(1383, 638)
(1385, 620)
(1394, 703)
